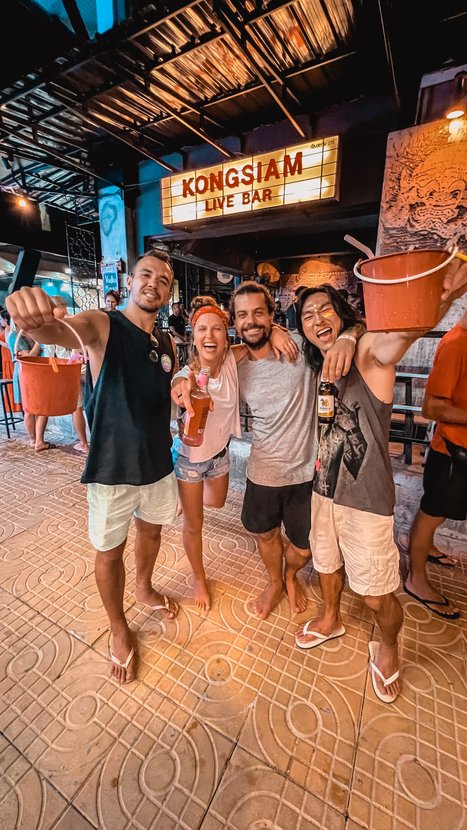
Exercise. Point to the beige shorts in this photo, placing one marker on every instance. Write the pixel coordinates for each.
(111, 507)
(363, 542)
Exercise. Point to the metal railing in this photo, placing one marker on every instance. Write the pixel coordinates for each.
(408, 431)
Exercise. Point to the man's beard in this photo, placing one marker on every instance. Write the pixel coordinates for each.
(257, 344)
(150, 306)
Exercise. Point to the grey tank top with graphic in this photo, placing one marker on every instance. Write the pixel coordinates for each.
(354, 465)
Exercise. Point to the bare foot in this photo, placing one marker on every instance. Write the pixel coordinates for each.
(121, 646)
(424, 591)
(267, 601)
(297, 599)
(388, 663)
(321, 625)
(156, 601)
(201, 594)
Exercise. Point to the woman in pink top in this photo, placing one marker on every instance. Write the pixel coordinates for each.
(203, 472)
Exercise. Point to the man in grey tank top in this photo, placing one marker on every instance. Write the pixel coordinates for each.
(281, 398)
(353, 490)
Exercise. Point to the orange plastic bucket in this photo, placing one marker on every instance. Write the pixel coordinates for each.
(45, 391)
(402, 292)
(50, 385)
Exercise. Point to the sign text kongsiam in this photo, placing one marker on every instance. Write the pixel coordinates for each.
(302, 173)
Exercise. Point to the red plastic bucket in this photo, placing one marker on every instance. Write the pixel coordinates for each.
(402, 292)
(49, 385)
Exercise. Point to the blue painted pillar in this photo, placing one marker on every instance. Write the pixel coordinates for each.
(149, 203)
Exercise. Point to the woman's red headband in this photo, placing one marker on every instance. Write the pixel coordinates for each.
(209, 309)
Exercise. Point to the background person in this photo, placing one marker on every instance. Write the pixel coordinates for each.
(177, 325)
(111, 300)
(445, 472)
(184, 313)
(79, 422)
(177, 328)
(6, 360)
(279, 316)
(35, 424)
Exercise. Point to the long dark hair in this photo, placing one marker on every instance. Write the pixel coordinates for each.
(348, 315)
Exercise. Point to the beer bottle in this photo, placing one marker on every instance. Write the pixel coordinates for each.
(327, 394)
(193, 428)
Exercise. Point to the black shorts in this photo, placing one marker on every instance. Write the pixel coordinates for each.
(444, 487)
(265, 508)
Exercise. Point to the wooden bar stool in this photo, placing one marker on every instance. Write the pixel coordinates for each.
(7, 413)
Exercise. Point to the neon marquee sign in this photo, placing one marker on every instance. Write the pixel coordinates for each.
(302, 173)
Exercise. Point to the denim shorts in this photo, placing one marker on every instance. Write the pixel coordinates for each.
(194, 471)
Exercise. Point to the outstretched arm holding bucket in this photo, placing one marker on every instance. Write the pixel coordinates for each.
(364, 500)
(129, 470)
(386, 349)
(35, 312)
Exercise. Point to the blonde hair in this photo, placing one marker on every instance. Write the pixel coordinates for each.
(196, 303)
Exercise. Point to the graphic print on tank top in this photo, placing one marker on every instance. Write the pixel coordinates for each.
(356, 468)
(341, 442)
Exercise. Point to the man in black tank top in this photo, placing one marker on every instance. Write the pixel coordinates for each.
(129, 469)
(353, 488)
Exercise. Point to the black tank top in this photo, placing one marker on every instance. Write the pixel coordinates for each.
(128, 410)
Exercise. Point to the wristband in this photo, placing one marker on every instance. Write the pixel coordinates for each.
(347, 337)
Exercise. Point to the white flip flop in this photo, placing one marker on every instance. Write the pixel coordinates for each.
(123, 664)
(373, 649)
(166, 607)
(320, 638)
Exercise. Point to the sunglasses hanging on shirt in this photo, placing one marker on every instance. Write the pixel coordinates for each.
(153, 355)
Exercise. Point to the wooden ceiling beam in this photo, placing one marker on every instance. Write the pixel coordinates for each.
(98, 121)
(64, 162)
(198, 131)
(241, 38)
(78, 56)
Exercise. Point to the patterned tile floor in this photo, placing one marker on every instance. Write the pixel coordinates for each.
(229, 725)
